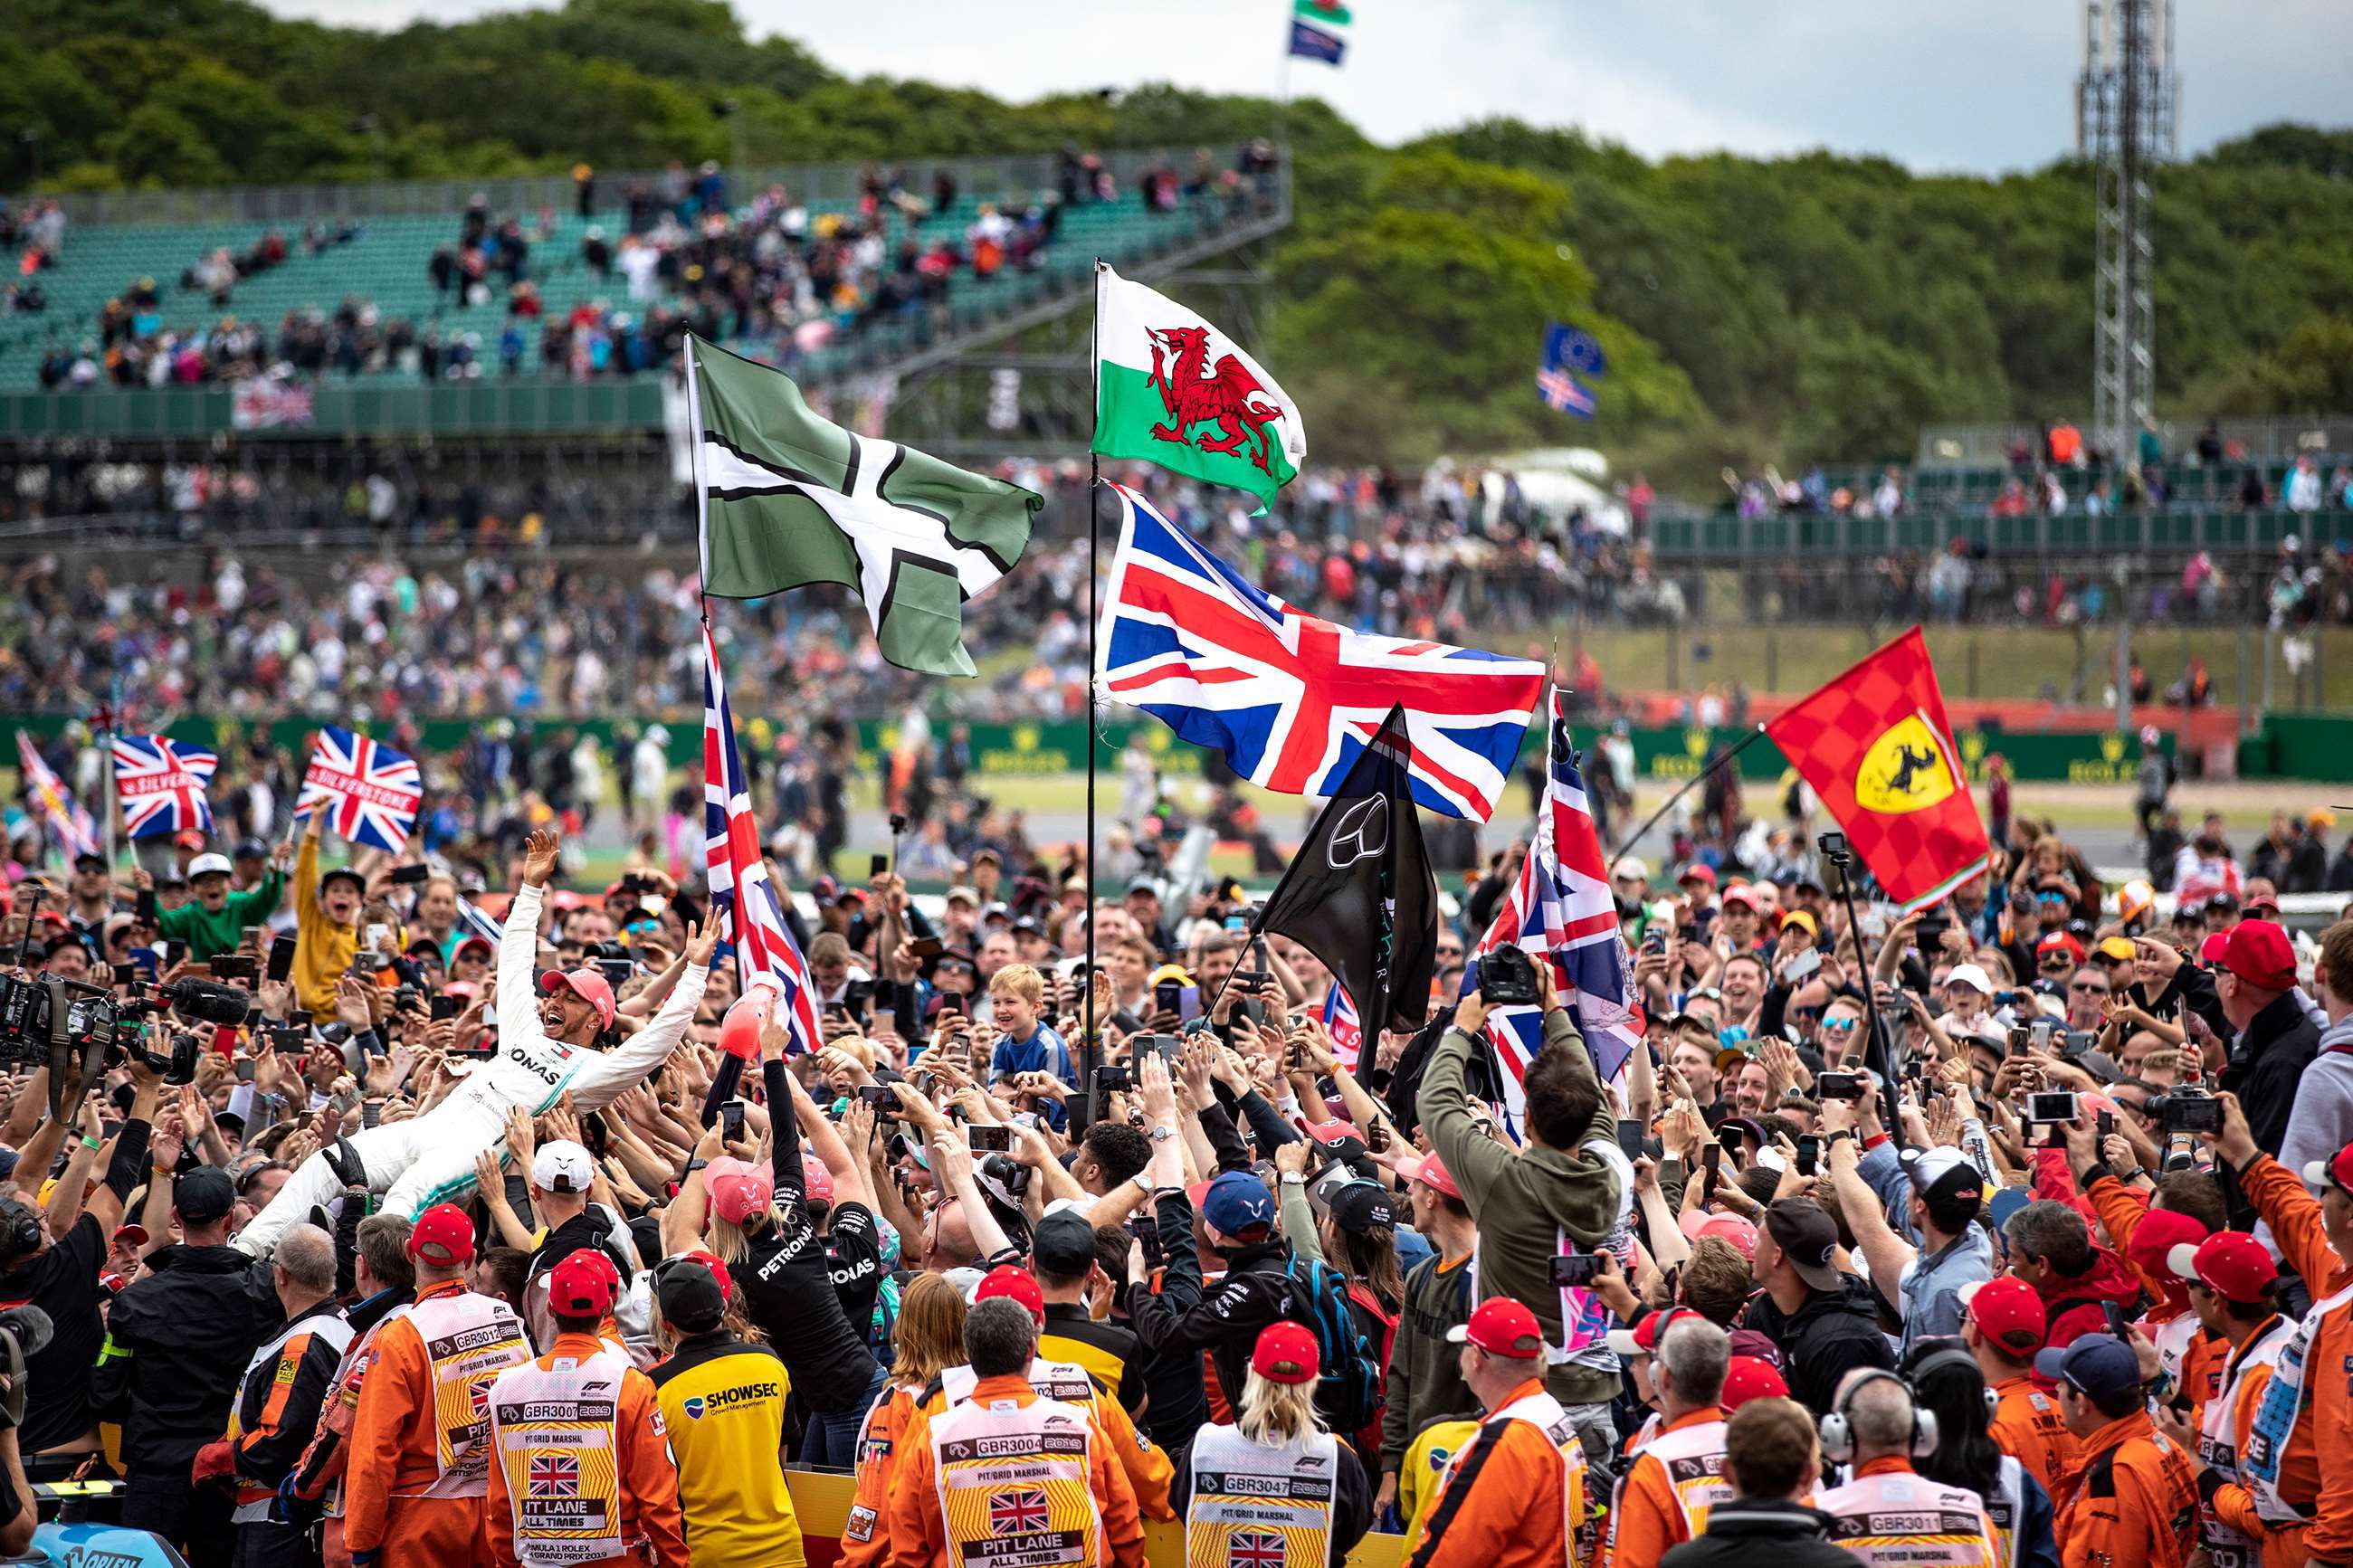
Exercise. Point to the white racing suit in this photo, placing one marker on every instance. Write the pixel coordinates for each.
(429, 1158)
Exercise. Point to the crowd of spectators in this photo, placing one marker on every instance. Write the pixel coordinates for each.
(2046, 1167)
(769, 273)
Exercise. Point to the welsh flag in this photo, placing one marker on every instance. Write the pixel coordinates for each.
(1174, 390)
(788, 499)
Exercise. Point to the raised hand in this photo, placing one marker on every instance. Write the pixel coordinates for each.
(539, 857)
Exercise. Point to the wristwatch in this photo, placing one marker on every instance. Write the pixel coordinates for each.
(1162, 1133)
(1294, 1179)
(1143, 1184)
(1842, 1132)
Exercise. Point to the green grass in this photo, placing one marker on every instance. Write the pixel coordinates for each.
(1992, 662)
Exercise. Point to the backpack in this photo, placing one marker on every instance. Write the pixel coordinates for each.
(1348, 1389)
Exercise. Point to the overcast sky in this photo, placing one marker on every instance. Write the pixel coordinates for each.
(1985, 85)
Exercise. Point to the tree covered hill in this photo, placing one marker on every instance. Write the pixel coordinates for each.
(1819, 306)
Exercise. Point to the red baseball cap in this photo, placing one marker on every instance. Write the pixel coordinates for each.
(2160, 1231)
(2259, 953)
(1500, 1326)
(738, 1189)
(2060, 942)
(576, 1287)
(442, 1236)
(1643, 1337)
(1285, 1352)
(2210, 950)
(1433, 1172)
(1014, 1285)
(1747, 1378)
(1697, 871)
(588, 985)
(2009, 1311)
(1739, 893)
(2230, 1263)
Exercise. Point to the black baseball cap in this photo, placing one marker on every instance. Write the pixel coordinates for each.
(91, 858)
(204, 1196)
(1063, 1244)
(693, 1294)
(1808, 1237)
(1362, 1206)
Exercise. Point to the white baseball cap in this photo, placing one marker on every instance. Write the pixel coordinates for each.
(1971, 975)
(1631, 868)
(204, 865)
(562, 1166)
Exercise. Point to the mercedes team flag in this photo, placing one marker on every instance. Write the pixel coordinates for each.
(787, 499)
(1875, 746)
(1359, 894)
(1174, 390)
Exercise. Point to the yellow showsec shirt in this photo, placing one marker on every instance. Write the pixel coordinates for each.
(724, 1402)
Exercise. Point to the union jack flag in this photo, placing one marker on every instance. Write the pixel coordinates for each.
(764, 954)
(371, 792)
(70, 824)
(555, 1475)
(1016, 1513)
(1342, 1022)
(1563, 393)
(1254, 1549)
(1288, 698)
(1561, 911)
(161, 784)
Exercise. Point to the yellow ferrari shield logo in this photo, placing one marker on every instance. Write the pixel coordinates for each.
(1903, 771)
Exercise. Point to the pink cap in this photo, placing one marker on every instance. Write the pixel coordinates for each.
(816, 1179)
(587, 984)
(739, 1190)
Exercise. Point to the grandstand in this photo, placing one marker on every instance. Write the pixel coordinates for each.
(114, 241)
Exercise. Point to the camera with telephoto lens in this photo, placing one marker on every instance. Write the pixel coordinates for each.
(75, 1029)
(2186, 1110)
(1507, 978)
(1008, 1172)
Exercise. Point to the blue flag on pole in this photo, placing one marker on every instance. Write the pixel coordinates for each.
(1575, 350)
(1561, 391)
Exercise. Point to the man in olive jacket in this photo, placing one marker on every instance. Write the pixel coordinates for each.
(1564, 1183)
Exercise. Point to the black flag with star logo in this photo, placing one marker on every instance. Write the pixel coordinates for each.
(1359, 894)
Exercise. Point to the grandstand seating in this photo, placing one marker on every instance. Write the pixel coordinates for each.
(386, 266)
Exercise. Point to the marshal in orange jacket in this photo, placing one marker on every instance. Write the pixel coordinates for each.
(1650, 1516)
(2027, 1426)
(2316, 1472)
(919, 1535)
(2132, 1500)
(388, 1523)
(1500, 1503)
(648, 1480)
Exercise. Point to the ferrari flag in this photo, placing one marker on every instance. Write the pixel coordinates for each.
(1875, 746)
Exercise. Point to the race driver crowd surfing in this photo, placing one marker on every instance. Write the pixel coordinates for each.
(2015, 1230)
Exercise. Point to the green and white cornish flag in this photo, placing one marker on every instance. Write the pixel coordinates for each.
(788, 499)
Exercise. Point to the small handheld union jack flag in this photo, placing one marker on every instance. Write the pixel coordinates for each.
(1561, 910)
(371, 792)
(1342, 1022)
(160, 783)
(1020, 1512)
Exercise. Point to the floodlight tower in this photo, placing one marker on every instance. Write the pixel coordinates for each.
(2126, 100)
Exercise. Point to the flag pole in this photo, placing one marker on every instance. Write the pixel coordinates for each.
(1689, 785)
(1090, 1053)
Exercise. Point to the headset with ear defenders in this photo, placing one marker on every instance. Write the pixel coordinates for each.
(20, 1229)
(1838, 1426)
